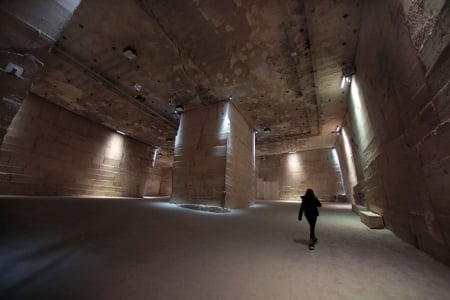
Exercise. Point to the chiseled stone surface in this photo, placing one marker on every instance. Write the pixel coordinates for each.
(213, 162)
(287, 176)
(50, 151)
(402, 144)
(372, 220)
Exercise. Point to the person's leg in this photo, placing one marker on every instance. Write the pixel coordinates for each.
(312, 227)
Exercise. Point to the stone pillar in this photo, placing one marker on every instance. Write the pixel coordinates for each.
(213, 161)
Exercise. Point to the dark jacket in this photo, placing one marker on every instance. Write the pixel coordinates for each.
(309, 206)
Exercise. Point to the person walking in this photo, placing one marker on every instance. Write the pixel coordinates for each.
(309, 206)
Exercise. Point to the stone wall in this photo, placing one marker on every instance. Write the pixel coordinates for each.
(29, 29)
(403, 145)
(240, 166)
(200, 156)
(351, 172)
(50, 151)
(165, 188)
(213, 162)
(159, 179)
(153, 183)
(287, 176)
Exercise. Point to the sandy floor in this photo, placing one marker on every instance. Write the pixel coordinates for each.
(149, 249)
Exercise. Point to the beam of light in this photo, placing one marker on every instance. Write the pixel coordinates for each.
(294, 165)
(155, 152)
(179, 136)
(70, 5)
(225, 126)
(339, 169)
(114, 148)
(349, 159)
(254, 150)
(363, 129)
(342, 82)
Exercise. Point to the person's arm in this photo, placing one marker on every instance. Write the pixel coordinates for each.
(318, 203)
(300, 212)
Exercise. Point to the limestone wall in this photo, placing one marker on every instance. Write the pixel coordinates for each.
(159, 179)
(29, 29)
(165, 188)
(153, 182)
(351, 171)
(403, 144)
(213, 162)
(240, 167)
(287, 176)
(50, 151)
(200, 156)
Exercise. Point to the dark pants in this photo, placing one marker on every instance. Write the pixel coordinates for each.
(312, 226)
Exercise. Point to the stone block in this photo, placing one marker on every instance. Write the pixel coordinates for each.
(358, 208)
(371, 220)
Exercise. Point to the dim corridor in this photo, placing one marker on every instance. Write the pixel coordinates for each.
(125, 248)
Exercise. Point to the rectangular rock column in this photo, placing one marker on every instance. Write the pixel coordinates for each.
(213, 160)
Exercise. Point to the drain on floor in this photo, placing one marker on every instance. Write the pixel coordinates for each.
(209, 208)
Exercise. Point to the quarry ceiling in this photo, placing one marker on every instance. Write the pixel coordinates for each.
(279, 62)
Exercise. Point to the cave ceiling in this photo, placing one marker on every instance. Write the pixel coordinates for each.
(279, 62)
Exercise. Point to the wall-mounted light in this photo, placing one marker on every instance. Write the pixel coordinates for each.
(137, 87)
(292, 152)
(179, 108)
(348, 70)
(338, 130)
(121, 132)
(13, 69)
(129, 53)
(230, 97)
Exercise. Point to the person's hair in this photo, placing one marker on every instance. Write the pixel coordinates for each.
(309, 193)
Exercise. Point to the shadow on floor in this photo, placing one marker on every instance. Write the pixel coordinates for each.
(302, 241)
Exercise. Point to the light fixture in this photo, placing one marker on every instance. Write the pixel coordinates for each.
(348, 70)
(230, 97)
(130, 53)
(121, 132)
(13, 69)
(137, 87)
(179, 108)
(342, 82)
(292, 152)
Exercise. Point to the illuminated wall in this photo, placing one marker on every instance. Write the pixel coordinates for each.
(50, 151)
(287, 176)
(400, 118)
(213, 161)
(159, 178)
(351, 172)
(240, 164)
